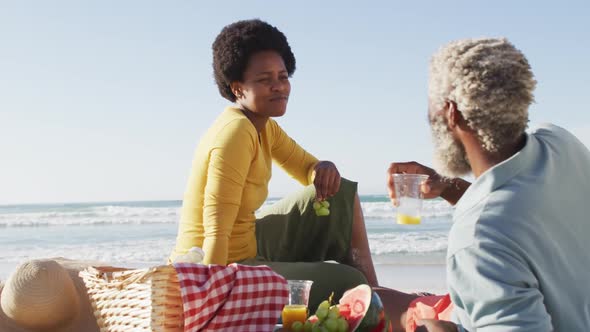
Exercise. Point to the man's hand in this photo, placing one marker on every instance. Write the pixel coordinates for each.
(433, 325)
(431, 188)
(326, 180)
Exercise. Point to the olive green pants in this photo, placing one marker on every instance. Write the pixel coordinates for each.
(295, 243)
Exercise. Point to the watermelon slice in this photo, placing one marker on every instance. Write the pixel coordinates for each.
(354, 305)
(363, 310)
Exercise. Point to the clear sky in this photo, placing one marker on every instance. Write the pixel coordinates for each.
(106, 100)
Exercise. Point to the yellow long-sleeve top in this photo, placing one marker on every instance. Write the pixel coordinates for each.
(229, 182)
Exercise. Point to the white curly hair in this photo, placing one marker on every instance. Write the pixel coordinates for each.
(492, 84)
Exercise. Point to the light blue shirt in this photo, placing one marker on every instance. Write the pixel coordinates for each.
(519, 248)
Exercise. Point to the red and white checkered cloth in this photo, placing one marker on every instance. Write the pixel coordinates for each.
(231, 298)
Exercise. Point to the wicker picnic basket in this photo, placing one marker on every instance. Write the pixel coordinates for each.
(135, 300)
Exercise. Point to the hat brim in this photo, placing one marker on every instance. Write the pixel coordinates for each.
(85, 322)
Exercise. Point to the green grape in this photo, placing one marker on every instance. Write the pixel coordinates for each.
(334, 312)
(307, 326)
(316, 327)
(323, 329)
(322, 212)
(342, 325)
(331, 324)
(317, 205)
(297, 326)
(324, 305)
(322, 313)
(325, 204)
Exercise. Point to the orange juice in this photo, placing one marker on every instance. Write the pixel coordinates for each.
(405, 219)
(293, 313)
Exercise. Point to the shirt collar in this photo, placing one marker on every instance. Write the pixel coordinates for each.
(498, 175)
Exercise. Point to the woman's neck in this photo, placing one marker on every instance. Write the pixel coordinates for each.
(258, 121)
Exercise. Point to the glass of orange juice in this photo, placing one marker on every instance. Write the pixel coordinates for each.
(409, 197)
(296, 309)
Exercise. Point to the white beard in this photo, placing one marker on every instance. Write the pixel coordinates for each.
(450, 158)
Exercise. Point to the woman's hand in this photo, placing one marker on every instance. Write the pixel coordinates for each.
(431, 188)
(326, 179)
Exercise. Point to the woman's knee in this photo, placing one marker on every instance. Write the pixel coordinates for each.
(351, 274)
(344, 275)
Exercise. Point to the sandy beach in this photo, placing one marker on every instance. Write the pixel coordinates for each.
(142, 234)
(413, 278)
(403, 277)
(5, 270)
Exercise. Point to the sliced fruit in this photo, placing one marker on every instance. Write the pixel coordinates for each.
(363, 310)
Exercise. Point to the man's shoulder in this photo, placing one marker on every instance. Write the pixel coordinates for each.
(548, 132)
(560, 149)
(487, 221)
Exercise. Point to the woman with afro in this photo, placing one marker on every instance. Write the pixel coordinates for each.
(252, 63)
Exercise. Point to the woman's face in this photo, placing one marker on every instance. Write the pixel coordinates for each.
(265, 87)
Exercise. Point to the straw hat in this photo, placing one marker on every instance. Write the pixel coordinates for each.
(46, 295)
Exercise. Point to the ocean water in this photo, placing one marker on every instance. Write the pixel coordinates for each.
(143, 233)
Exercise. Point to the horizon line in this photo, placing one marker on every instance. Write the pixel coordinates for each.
(5, 205)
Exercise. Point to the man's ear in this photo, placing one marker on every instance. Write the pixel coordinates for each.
(454, 116)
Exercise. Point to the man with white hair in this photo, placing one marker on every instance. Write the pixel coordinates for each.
(518, 248)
